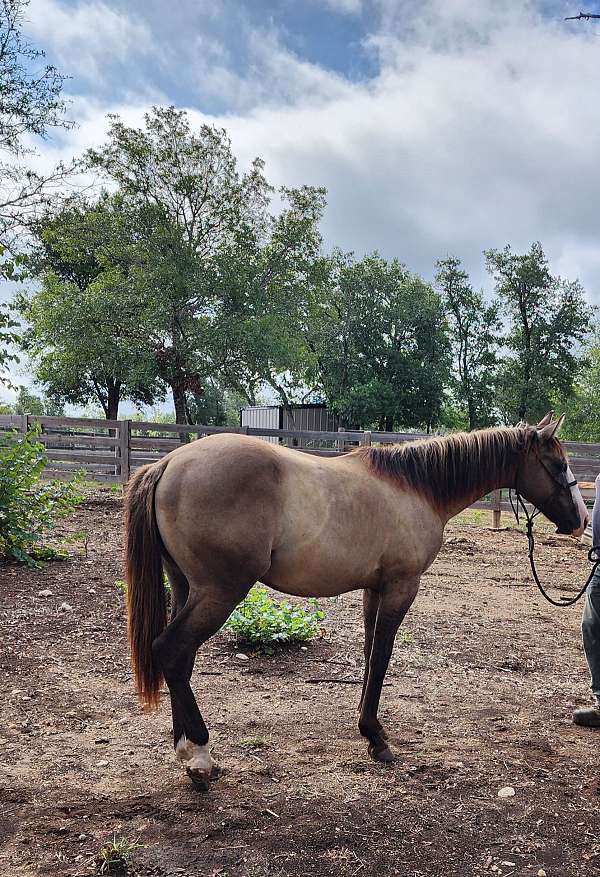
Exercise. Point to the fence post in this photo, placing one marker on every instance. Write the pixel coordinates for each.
(366, 438)
(24, 428)
(496, 508)
(124, 449)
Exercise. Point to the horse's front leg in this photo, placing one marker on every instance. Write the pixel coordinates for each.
(395, 601)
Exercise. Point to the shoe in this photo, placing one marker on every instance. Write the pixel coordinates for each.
(588, 716)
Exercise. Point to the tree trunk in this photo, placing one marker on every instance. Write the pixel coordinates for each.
(179, 403)
(114, 393)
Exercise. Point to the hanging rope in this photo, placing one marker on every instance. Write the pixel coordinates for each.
(593, 553)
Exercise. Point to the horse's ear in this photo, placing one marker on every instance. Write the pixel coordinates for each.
(550, 430)
(546, 419)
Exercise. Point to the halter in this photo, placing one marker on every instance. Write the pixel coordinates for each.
(593, 553)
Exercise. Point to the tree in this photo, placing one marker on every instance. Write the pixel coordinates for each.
(548, 317)
(258, 334)
(217, 274)
(378, 338)
(28, 403)
(474, 334)
(30, 104)
(583, 420)
(81, 322)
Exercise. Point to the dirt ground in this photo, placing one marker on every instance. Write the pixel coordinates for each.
(478, 697)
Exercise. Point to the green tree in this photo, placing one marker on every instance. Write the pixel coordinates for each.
(258, 335)
(190, 184)
(82, 321)
(474, 333)
(547, 319)
(378, 337)
(30, 104)
(216, 277)
(28, 403)
(583, 414)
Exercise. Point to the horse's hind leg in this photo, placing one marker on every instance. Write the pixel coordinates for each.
(180, 589)
(206, 610)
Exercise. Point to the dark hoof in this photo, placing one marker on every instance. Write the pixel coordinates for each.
(202, 778)
(381, 752)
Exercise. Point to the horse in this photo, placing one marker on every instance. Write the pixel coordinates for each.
(228, 510)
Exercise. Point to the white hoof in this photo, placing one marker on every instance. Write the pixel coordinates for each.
(197, 760)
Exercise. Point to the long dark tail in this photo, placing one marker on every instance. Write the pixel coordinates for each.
(146, 600)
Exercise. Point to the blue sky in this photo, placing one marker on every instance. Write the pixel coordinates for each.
(437, 126)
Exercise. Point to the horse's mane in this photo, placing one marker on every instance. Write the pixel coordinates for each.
(446, 468)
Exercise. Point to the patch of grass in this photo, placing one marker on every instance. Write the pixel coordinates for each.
(115, 856)
(405, 637)
(266, 623)
(254, 742)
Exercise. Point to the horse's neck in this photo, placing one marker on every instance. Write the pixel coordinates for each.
(494, 475)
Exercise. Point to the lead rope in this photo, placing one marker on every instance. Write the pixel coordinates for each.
(593, 553)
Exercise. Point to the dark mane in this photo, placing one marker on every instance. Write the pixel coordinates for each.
(446, 468)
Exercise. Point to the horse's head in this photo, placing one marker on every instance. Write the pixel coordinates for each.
(545, 479)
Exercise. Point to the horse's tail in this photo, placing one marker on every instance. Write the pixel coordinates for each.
(146, 600)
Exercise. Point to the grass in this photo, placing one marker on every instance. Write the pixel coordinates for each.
(255, 742)
(404, 637)
(116, 855)
(483, 518)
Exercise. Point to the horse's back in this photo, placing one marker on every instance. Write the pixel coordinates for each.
(231, 505)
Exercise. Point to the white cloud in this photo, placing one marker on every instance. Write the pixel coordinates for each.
(346, 7)
(89, 37)
(480, 129)
(274, 75)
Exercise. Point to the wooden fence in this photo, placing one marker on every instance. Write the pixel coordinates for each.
(109, 450)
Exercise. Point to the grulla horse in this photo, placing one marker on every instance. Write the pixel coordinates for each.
(228, 510)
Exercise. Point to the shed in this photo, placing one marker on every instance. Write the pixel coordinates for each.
(315, 417)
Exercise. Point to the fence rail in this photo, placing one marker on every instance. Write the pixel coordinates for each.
(109, 450)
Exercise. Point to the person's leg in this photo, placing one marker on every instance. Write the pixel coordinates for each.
(590, 631)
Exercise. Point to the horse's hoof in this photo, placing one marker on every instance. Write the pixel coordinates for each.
(203, 778)
(382, 753)
(199, 764)
(200, 778)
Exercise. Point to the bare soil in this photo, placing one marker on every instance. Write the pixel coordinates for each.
(478, 697)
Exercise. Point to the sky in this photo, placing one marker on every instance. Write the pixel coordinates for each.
(437, 126)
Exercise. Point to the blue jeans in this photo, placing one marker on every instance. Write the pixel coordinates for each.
(590, 630)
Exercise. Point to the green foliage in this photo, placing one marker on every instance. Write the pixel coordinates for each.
(29, 507)
(379, 341)
(583, 412)
(82, 323)
(216, 282)
(28, 403)
(30, 104)
(10, 269)
(116, 855)
(474, 334)
(267, 623)
(548, 319)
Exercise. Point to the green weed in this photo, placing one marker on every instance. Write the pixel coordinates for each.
(116, 855)
(29, 506)
(267, 623)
